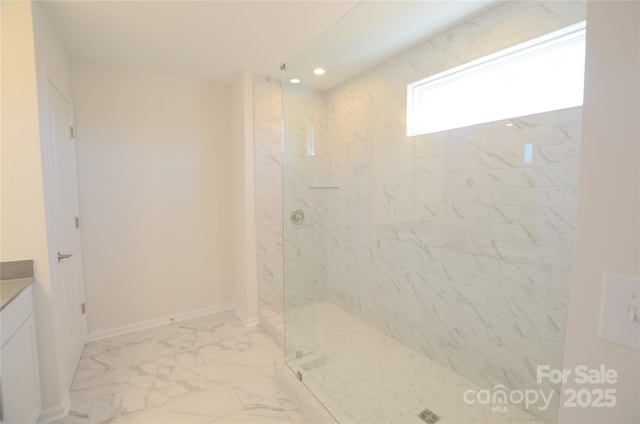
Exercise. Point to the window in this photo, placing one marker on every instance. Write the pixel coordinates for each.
(543, 74)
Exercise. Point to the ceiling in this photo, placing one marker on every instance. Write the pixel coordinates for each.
(208, 40)
(215, 40)
(374, 31)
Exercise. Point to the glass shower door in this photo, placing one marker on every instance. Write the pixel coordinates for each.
(302, 220)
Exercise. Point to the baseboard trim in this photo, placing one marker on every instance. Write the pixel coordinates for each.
(253, 321)
(57, 412)
(143, 325)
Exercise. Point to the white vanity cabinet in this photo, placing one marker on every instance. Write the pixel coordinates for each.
(19, 361)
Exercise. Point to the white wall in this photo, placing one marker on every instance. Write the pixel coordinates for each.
(607, 235)
(23, 231)
(154, 172)
(23, 226)
(243, 200)
(51, 55)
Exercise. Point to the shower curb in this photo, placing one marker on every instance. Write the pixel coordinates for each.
(313, 411)
(311, 408)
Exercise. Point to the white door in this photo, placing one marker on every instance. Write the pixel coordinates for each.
(69, 253)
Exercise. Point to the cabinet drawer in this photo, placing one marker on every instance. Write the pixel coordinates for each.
(15, 313)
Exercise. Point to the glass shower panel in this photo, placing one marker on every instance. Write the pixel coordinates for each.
(303, 245)
(434, 269)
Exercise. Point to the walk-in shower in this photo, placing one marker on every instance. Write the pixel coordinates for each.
(427, 235)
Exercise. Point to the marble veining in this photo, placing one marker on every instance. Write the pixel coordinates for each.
(400, 381)
(268, 190)
(457, 244)
(210, 369)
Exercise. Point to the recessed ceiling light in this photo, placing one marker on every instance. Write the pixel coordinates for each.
(294, 81)
(319, 71)
(509, 124)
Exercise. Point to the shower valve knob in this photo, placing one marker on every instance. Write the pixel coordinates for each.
(297, 217)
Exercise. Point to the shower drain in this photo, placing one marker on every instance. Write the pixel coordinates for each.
(428, 416)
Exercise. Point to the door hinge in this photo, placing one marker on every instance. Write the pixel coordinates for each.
(77, 222)
(84, 308)
(71, 132)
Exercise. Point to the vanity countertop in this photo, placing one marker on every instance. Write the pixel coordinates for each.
(10, 289)
(15, 276)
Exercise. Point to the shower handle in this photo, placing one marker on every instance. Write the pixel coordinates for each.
(297, 216)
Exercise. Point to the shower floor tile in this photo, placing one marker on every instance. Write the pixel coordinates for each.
(210, 369)
(367, 377)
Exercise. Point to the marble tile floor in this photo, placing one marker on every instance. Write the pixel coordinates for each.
(210, 369)
(364, 376)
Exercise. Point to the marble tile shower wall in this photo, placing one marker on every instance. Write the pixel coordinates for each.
(268, 174)
(452, 243)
